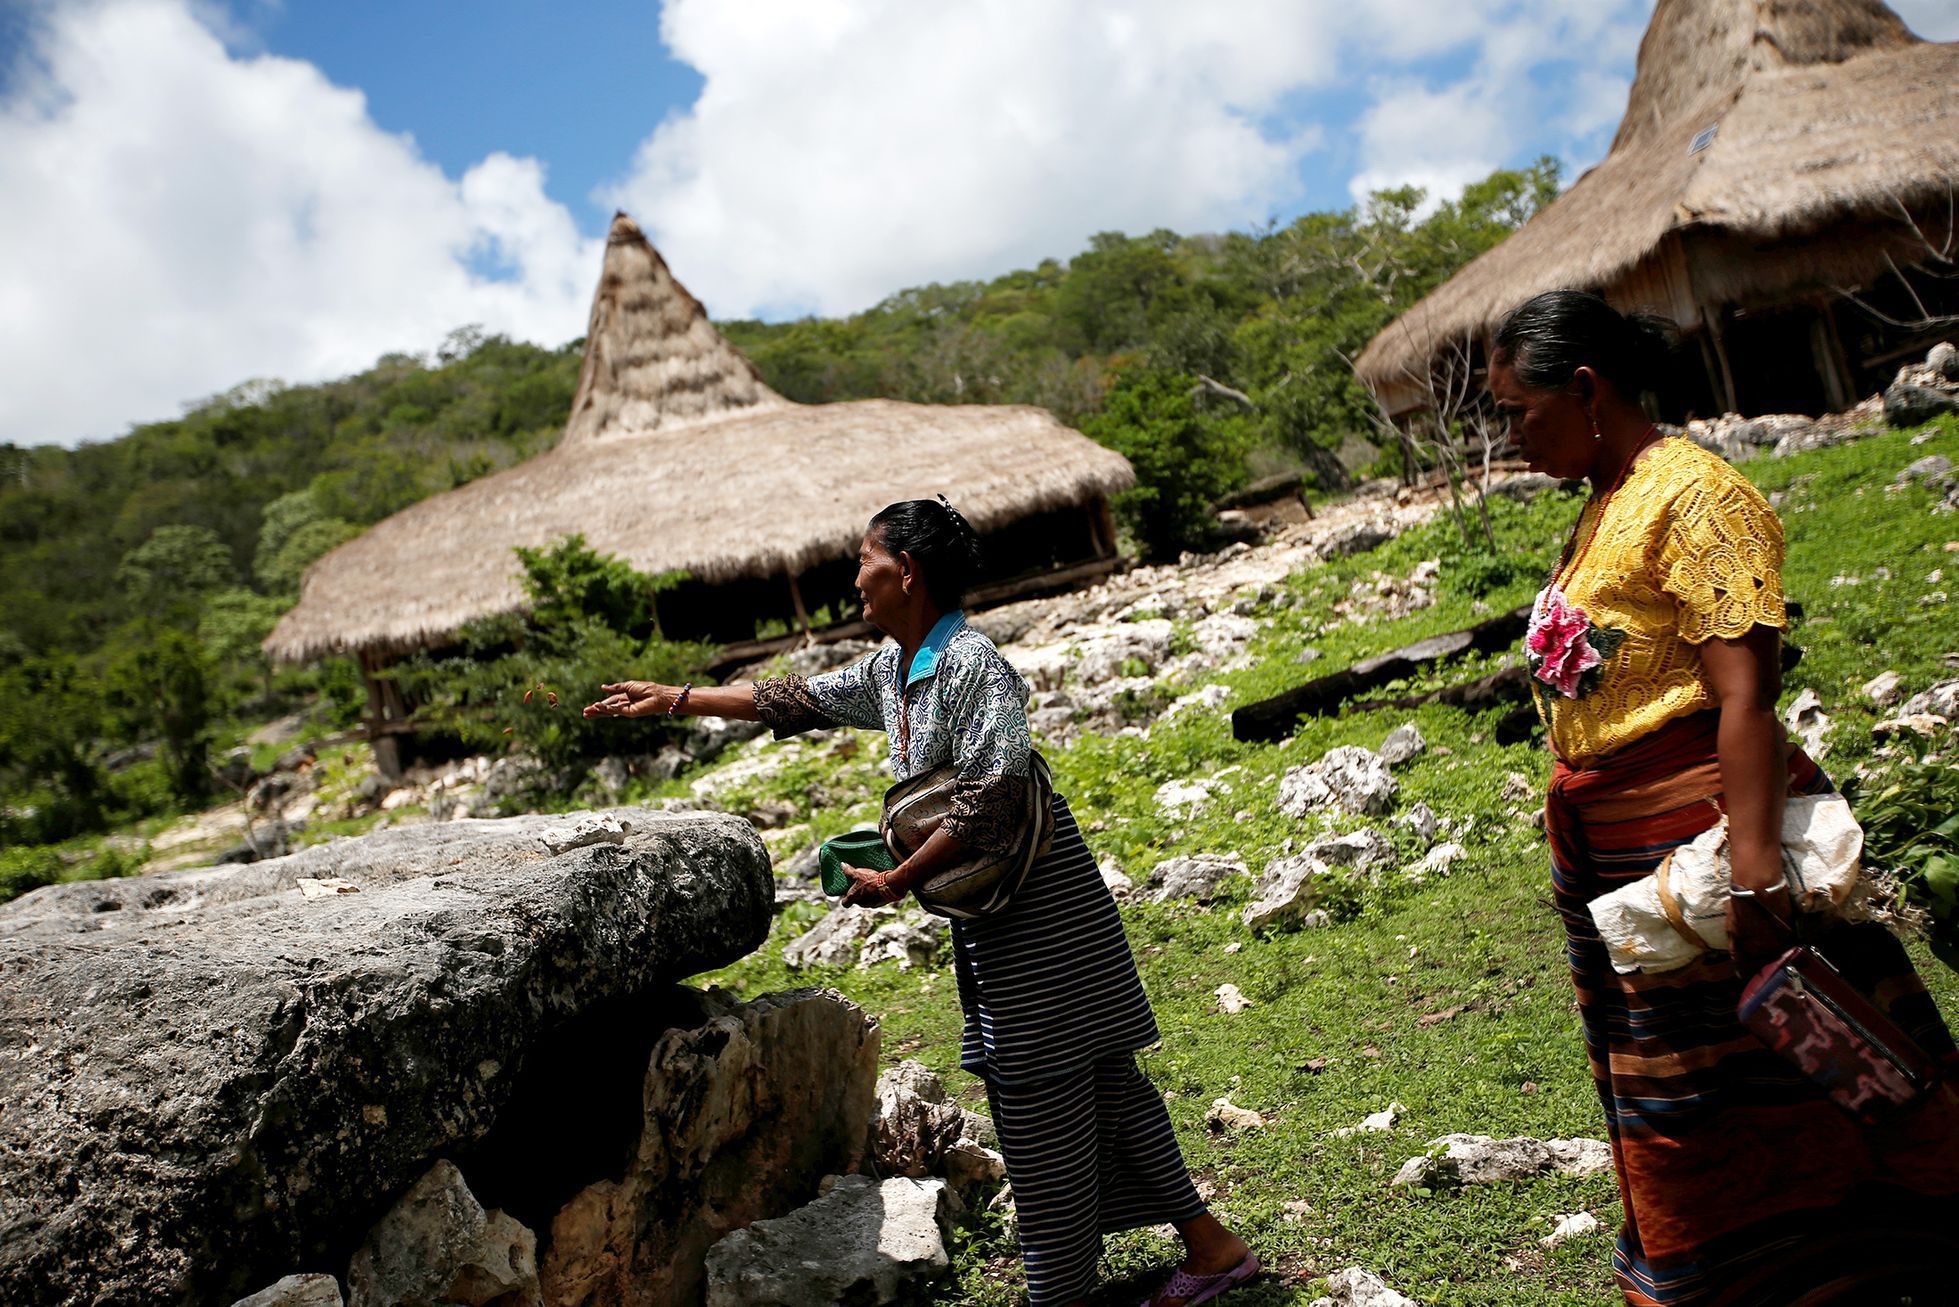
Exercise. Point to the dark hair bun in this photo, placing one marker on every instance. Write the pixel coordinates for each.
(939, 538)
(1550, 336)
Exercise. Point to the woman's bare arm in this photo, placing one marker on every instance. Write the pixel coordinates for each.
(1746, 678)
(647, 699)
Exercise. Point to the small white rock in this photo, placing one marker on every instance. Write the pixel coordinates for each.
(1230, 1000)
(1570, 1227)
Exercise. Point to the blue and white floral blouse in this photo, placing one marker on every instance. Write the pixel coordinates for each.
(961, 702)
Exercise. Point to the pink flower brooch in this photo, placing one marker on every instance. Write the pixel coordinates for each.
(1564, 650)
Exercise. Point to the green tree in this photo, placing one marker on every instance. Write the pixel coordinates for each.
(166, 575)
(1184, 459)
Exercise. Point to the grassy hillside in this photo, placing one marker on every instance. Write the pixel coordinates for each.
(1449, 995)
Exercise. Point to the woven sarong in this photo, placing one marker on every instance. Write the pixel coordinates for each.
(1742, 1183)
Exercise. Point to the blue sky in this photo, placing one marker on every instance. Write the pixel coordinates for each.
(203, 192)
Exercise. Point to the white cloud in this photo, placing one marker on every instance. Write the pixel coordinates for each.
(180, 219)
(839, 150)
(1539, 73)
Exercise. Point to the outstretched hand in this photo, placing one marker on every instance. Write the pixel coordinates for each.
(631, 699)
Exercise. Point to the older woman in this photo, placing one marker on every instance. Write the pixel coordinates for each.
(1054, 1008)
(1656, 652)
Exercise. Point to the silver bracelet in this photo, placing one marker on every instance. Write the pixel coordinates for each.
(1740, 893)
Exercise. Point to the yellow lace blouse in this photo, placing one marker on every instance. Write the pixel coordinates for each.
(1687, 551)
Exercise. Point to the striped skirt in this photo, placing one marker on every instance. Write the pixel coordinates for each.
(1741, 1182)
(1088, 1154)
(1049, 985)
(1054, 1015)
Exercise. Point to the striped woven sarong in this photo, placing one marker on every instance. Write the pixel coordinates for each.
(1741, 1182)
(1088, 1154)
(1048, 984)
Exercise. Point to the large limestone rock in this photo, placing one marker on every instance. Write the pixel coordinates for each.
(437, 1244)
(743, 1117)
(212, 1079)
(861, 1243)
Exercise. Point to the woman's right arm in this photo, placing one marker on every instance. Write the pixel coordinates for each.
(648, 699)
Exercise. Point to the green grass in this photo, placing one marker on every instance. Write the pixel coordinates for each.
(1483, 940)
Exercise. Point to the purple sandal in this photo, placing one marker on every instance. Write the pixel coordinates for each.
(1195, 1289)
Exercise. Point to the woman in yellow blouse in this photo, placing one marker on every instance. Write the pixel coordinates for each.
(1655, 650)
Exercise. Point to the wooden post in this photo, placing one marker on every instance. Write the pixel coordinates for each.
(1846, 376)
(387, 748)
(1731, 402)
(1102, 523)
(802, 613)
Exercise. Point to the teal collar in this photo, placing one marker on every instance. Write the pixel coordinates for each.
(926, 661)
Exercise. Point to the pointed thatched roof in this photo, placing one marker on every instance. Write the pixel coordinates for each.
(1751, 123)
(678, 457)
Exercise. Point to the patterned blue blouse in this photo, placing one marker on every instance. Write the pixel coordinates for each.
(961, 702)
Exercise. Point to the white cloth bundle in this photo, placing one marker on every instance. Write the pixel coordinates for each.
(1821, 847)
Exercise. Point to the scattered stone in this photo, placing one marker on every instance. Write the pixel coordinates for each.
(1362, 850)
(1421, 820)
(1807, 720)
(1403, 743)
(1228, 1116)
(437, 1244)
(1906, 405)
(1923, 724)
(1355, 539)
(833, 941)
(1201, 876)
(313, 1290)
(1348, 778)
(1440, 859)
(911, 941)
(914, 1125)
(1929, 468)
(1120, 886)
(860, 1243)
(1307, 655)
(1230, 1000)
(742, 1117)
(1295, 1211)
(1289, 891)
(1181, 799)
(1942, 700)
(1575, 1226)
(1374, 1123)
(1517, 788)
(1205, 699)
(1354, 1287)
(1884, 689)
(1479, 1159)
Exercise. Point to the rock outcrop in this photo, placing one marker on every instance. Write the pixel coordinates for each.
(213, 1078)
(743, 1117)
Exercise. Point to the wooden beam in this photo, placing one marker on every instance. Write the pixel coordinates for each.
(1276, 717)
(1732, 401)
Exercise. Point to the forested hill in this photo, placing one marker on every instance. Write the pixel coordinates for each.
(169, 552)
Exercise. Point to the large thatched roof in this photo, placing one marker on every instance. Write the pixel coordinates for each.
(1824, 119)
(678, 457)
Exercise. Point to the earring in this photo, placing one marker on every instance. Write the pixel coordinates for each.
(1596, 433)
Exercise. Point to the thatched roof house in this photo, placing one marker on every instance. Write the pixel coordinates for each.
(678, 457)
(1772, 155)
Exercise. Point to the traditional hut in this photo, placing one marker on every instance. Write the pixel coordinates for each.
(678, 457)
(1774, 158)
